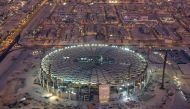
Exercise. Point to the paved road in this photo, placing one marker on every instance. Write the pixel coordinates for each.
(5, 73)
(180, 103)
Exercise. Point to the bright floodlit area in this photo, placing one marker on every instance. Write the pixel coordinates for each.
(94, 54)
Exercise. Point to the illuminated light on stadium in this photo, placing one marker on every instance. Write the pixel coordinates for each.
(79, 70)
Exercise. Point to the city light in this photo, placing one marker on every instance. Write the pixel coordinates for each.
(87, 54)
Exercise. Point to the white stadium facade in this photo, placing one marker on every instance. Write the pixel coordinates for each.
(90, 72)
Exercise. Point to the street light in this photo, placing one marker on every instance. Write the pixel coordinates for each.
(164, 67)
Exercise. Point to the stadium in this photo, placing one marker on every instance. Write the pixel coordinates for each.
(93, 71)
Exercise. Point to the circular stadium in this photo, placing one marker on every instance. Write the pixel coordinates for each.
(82, 69)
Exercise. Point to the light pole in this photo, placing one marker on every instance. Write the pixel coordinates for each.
(164, 68)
